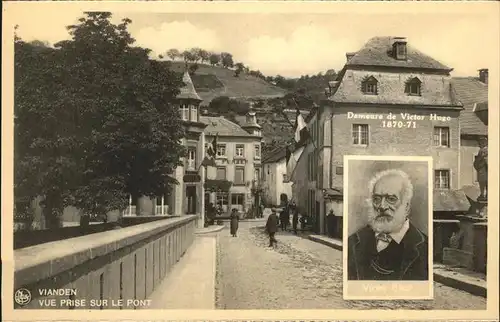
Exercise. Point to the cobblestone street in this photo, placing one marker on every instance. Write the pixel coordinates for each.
(300, 274)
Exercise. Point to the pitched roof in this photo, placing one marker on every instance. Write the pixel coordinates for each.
(436, 90)
(188, 91)
(275, 155)
(471, 92)
(376, 53)
(222, 127)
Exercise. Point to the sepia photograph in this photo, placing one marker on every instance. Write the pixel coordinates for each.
(388, 225)
(205, 160)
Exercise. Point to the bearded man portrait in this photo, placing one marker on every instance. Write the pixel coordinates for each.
(389, 246)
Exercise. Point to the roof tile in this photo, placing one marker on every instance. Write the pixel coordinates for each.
(435, 89)
(188, 91)
(470, 91)
(222, 127)
(376, 53)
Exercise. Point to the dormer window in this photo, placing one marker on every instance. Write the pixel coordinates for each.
(413, 86)
(399, 50)
(369, 86)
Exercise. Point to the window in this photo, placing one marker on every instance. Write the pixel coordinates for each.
(191, 159)
(221, 173)
(161, 205)
(413, 87)
(222, 199)
(369, 86)
(240, 150)
(442, 179)
(237, 199)
(221, 150)
(184, 112)
(257, 175)
(311, 166)
(239, 175)
(401, 50)
(360, 134)
(132, 204)
(194, 113)
(257, 150)
(285, 178)
(442, 136)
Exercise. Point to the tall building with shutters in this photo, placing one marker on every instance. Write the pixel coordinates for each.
(238, 169)
(389, 99)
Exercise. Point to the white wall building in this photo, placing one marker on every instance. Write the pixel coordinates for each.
(276, 175)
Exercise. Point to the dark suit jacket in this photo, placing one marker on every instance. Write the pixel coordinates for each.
(272, 223)
(415, 264)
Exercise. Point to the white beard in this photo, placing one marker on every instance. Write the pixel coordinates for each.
(386, 224)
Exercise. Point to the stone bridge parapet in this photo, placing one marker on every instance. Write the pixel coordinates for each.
(116, 269)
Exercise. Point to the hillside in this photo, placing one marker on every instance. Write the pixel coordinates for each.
(213, 81)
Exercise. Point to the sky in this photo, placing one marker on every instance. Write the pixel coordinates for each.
(293, 44)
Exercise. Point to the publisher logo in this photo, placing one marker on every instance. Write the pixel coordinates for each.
(22, 296)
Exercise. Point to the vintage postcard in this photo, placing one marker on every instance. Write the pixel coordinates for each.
(171, 160)
(387, 227)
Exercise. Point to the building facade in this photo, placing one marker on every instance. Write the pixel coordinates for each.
(238, 161)
(389, 99)
(472, 92)
(276, 175)
(186, 198)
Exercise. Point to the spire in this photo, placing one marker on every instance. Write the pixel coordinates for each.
(188, 91)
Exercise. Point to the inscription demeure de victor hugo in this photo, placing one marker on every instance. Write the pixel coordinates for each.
(401, 120)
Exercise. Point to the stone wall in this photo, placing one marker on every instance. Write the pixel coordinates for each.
(125, 264)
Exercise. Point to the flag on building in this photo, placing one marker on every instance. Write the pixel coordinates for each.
(301, 131)
(210, 154)
(291, 161)
(288, 154)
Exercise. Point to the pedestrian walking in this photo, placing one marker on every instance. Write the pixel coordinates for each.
(234, 222)
(285, 213)
(272, 227)
(295, 217)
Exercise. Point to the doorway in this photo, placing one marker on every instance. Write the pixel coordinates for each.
(192, 200)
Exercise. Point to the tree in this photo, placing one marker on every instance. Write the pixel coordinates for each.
(173, 53)
(331, 72)
(228, 107)
(195, 53)
(188, 56)
(204, 55)
(214, 59)
(239, 68)
(193, 68)
(226, 60)
(90, 120)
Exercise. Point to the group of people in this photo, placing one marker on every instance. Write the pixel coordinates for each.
(285, 210)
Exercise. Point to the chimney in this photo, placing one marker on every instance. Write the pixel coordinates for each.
(349, 55)
(483, 75)
(331, 87)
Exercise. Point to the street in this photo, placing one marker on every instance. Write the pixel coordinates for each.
(300, 274)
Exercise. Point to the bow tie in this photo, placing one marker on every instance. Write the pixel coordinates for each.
(384, 237)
